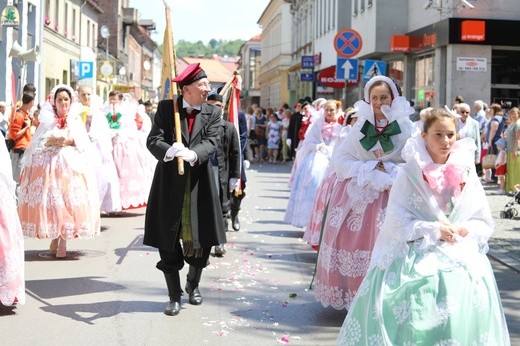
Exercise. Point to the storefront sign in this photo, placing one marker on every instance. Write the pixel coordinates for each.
(123, 88)
(10, 17)
(473, 30)
(327, 78)
(471, 64)
(408, 43)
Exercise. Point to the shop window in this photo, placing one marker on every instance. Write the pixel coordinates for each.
(424, 91)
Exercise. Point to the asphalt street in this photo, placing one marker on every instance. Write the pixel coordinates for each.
(108, 292)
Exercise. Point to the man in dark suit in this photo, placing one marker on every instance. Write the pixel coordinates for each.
(226, 163)
(184, 207)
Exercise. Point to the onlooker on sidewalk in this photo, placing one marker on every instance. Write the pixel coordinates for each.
(3, 119)
(500, 166)
(512, 134)
(286, 118)
(20, 133)
(495, 128)
(467, 127)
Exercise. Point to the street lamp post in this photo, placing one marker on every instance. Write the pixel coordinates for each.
(106, 69)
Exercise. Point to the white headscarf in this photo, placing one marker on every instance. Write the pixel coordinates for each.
(399, 109)
(48, 111)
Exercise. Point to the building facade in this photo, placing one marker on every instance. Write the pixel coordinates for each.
(20, 65)
(445, 48)
(434, 49)
(275, 53)
(249, 67)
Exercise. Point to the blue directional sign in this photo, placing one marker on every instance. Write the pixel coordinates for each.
(373, 68)
(347, 69)
(307, 77)
(85, 69)
(307, 61)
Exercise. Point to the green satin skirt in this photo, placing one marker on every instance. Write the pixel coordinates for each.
(427, 299)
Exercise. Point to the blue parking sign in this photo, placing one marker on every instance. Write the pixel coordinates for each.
(85, 69)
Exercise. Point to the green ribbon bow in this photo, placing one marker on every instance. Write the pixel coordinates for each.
(113, 120)
(372, 136)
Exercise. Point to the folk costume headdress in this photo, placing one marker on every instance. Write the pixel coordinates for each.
(49, 126)
(399, 109)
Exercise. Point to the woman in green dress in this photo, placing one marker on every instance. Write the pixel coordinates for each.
(429, 280)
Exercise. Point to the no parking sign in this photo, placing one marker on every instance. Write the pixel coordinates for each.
(348, 43)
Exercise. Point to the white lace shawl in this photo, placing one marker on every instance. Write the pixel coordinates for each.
(413, 214)
(48, 127)
(99, 133)
(351, 160)
(313, 139)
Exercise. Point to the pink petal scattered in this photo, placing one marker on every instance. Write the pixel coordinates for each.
(283, 340)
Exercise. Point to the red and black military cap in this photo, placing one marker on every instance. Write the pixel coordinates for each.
(192, 73)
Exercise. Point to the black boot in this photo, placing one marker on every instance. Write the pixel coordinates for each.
(235, 222)
(173, 282)
(192, 285)
(235, 207)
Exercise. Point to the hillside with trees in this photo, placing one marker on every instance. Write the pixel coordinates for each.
(199, 49)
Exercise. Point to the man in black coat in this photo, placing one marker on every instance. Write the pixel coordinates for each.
(184, 207)
(226, 163)
(236, 199)
(295, 124)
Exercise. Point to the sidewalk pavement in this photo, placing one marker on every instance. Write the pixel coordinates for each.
(504, 245)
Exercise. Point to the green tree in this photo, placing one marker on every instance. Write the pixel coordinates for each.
(199, 49)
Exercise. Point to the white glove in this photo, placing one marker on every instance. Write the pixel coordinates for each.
(173, 151)
(288, 142)
(233, 184)
(188, 155)
(247, 164)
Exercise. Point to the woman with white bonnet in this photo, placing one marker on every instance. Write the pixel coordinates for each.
(365, 170)
(58, 195)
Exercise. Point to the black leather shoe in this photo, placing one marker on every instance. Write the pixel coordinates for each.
(172, 308)
(195, 298)
(220, 250)
(235, 224)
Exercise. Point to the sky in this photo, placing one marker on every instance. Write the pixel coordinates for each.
(202, 20)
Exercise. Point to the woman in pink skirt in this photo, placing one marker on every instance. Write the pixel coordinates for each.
(129, 155)
(58, 195)
(12, 283)
(365, 169)
(312, 232)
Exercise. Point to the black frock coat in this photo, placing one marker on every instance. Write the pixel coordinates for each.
(228, 156)
(163, 213)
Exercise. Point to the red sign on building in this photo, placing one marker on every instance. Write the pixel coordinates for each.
(327, 78)
(473, 30)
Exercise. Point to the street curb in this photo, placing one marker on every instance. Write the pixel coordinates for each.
(502, 257)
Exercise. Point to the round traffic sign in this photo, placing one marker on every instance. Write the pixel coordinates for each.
(348, 43)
